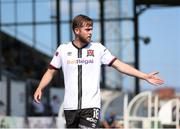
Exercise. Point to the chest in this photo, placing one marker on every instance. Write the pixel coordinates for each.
(86, 56)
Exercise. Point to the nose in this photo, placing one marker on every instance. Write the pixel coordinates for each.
(90, 32)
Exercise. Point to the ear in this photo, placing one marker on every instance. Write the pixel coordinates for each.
(76, 31)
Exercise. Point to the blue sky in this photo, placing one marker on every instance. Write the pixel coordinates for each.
(162, 25)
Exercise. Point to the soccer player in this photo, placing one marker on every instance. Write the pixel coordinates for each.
(81, 61)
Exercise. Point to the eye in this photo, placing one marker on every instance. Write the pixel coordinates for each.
(88, 29)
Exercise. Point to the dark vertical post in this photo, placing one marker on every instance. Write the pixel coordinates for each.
(0, 46)
(58, 29)
(8, 96)
(136, 47)
(103, 72)
(27, 107)
(70, 19)
(58, 36)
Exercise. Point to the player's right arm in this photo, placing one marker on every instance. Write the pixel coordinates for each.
(47, 77)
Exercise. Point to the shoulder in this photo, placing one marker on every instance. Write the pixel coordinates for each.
(64, 46)
(96, 45)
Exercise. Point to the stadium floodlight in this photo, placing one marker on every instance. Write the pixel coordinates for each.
(146, 40)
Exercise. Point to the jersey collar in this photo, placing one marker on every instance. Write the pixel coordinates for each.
(78, 47)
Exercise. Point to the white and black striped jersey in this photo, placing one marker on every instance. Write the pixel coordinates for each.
(81, 69)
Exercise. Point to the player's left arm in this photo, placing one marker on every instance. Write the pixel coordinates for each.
(129, 70)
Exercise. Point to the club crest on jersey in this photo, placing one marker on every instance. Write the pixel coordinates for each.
(90, 52)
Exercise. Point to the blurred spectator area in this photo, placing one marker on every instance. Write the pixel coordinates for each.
(20, 61)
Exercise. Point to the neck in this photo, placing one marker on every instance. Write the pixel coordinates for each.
(79, 44)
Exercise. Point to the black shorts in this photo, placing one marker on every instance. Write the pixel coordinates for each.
(82, 118)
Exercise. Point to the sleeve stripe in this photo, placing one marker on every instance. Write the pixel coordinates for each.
(52, 67)
(112, 61)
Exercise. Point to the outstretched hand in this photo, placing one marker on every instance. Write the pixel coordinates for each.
(153, 79)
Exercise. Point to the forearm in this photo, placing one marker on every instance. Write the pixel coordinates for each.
(129, 70)
(46, 79)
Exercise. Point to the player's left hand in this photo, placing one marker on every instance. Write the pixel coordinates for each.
(153, 79)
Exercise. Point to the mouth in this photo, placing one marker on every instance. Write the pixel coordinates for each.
(89, 37)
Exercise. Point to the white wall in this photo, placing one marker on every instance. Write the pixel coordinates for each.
(3, 96)
(18, 98)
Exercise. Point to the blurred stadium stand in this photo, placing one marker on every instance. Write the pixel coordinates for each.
(21, 62)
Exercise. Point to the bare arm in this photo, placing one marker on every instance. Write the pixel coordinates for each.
(127, 69)
(47, 77)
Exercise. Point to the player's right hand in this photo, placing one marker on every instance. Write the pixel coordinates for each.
(37, 95)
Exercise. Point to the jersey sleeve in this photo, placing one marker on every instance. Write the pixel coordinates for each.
(107, 58)
(56, 60)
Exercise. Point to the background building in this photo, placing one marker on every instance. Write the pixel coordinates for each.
(142, 33)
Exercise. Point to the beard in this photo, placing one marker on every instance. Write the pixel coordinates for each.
(85, 39)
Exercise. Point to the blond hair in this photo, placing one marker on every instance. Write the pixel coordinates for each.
(80, 21)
